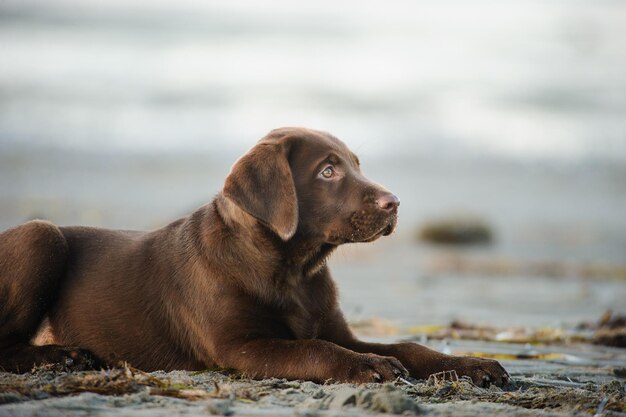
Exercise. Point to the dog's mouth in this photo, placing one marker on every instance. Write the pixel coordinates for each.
(385, 230)
(389, 229)
(366, 227)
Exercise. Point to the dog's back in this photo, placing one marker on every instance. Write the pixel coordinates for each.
(106, 291)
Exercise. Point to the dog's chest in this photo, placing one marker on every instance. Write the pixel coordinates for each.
(303, 325)
(303, 314)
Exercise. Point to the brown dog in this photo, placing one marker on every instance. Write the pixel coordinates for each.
(241, 283)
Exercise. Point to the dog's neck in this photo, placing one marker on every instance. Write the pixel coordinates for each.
(299, 253)
(306, 256)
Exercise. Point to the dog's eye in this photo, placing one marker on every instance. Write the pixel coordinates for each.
(328, 172)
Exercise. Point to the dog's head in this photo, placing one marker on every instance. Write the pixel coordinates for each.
(306, 182)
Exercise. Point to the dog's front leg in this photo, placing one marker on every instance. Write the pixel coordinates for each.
(420, 361)
(309, 359)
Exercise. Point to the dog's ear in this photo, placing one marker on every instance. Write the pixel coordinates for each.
(261, 184)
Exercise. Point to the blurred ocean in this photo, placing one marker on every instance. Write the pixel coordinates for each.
(515, 79)
(128, 114)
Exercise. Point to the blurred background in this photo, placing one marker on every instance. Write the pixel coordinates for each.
(501, 125)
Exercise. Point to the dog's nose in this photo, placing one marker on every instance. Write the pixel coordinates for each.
(388, 201)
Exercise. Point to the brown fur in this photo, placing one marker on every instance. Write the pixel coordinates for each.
(240, 283)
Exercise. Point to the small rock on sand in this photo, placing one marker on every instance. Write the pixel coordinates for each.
(220, 407)
(387, 399)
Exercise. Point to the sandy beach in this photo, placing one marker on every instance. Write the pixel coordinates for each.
(580, 381)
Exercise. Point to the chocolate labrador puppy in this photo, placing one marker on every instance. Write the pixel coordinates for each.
(241, 283)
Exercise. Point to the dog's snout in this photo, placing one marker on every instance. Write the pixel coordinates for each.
(388, 201)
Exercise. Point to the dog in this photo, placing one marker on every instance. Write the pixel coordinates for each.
(241, 283)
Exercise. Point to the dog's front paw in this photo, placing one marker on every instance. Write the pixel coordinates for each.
(368, 367)
(483, 372)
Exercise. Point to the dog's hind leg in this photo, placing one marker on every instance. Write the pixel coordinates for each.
(33, 258)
